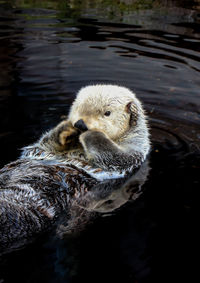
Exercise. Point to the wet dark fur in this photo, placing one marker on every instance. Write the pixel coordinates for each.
(33, 195)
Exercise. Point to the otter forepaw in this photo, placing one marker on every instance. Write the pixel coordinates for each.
(96, 141)
(91, 137)
(65, 133)
(67, 136)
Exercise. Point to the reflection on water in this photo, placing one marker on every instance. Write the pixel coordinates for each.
(104, 198)
(48, 50)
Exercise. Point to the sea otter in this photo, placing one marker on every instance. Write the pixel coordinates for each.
(105, 137)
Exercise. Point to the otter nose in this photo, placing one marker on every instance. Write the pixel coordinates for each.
(81, 125)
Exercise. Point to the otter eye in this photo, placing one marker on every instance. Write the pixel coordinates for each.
(107, 113)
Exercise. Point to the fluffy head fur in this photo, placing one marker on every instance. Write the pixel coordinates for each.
(94, 102)
(126, 123)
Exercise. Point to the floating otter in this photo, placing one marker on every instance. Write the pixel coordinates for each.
(105, 137)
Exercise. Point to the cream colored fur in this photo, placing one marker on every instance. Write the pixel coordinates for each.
(91, 104)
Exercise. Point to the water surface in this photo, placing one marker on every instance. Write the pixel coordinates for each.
(48, 51)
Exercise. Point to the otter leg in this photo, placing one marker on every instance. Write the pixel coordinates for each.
(65, 134)
(61, 138)
(103, 152)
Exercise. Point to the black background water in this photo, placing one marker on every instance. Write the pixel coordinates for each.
(48, 50)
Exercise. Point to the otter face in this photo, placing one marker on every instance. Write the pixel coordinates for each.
(106, 108)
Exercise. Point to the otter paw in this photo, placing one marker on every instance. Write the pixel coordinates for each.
(67, 136)
(92, 137)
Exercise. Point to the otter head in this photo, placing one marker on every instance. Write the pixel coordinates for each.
(110, 109)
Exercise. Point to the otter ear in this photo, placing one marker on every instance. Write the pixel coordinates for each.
(131, 108)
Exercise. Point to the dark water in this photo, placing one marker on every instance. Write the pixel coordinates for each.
(48, 50)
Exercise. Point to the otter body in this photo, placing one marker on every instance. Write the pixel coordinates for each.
(32, 196)
(104, 137)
